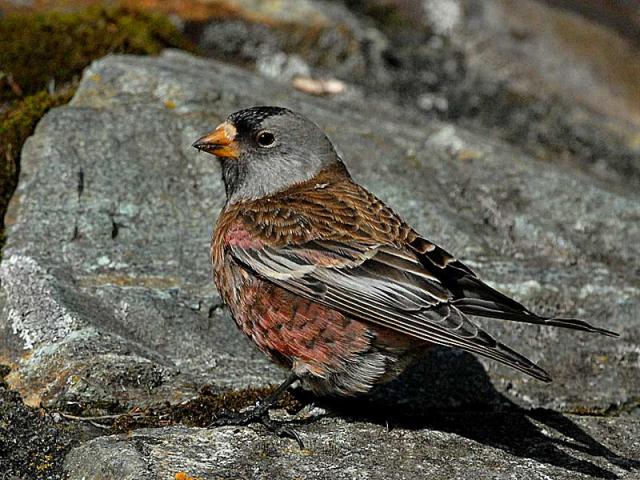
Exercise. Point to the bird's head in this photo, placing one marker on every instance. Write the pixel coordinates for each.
(266, 149)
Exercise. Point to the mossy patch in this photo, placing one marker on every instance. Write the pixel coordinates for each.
(4, 371)
(41, 50)
(630, 407)
(202, 410)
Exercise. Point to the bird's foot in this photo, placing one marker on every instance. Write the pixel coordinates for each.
(282, 430)
(258, 415)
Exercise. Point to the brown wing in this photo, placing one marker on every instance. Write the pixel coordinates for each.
(338, 245)
(378, 285)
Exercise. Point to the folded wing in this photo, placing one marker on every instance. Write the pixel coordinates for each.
(382, 285)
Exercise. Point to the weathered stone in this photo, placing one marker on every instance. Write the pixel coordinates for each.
(110, 305)
(107, 267)
(467, 447)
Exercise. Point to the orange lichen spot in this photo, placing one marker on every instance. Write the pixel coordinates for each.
(170, 104)
(184, 476)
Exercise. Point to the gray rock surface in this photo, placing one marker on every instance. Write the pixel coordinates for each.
(334, 452)
(110, 304)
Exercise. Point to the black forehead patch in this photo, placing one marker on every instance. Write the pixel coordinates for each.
(250, 118)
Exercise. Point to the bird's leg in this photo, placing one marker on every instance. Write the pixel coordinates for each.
(260, 413)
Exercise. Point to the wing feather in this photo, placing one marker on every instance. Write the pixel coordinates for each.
(378, 291)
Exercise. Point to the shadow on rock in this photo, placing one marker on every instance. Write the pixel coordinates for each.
(450, 391)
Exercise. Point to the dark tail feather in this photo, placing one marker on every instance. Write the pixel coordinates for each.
(482, 300)
(576, 324)
(483, 308)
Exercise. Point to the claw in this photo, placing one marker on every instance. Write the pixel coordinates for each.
(256, 415)
(283, 431)
(260, 413)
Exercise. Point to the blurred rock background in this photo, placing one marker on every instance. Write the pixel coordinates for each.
(556, 84)
(558, 77)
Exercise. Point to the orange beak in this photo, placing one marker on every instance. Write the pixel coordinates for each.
(221, 142)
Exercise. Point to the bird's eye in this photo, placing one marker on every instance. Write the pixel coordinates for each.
(265, 139)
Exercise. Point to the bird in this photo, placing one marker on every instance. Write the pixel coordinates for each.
(326, 279)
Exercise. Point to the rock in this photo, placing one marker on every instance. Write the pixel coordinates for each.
(555, 50)
(339, 450)
(110, 304)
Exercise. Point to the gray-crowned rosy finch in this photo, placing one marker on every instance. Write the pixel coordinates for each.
(325, 278)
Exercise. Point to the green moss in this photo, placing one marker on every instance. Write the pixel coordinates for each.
(53, 48)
